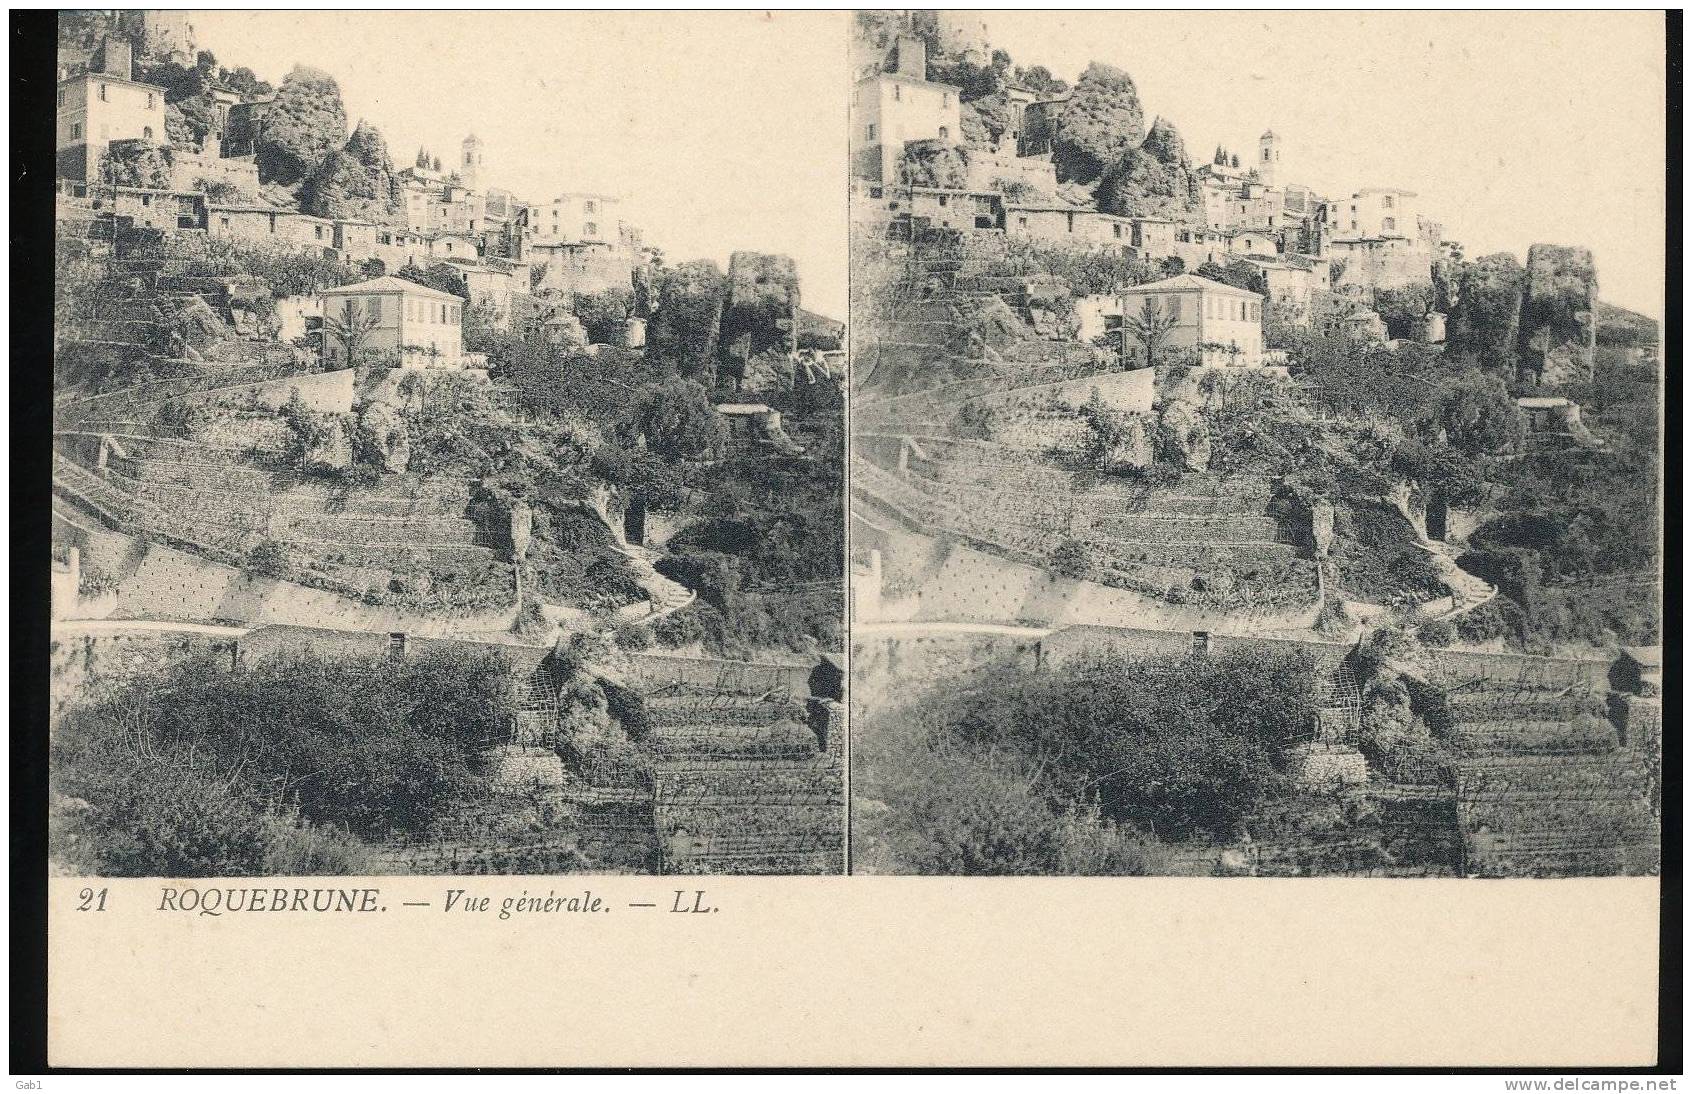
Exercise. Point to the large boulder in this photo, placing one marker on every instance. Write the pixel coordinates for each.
(357, 181)
(1487, 310)
(1103, 120)
(1559, 314)
(935, 163)
(303, 124)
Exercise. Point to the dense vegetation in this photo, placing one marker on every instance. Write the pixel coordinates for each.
(290, 766)
(1087, 768)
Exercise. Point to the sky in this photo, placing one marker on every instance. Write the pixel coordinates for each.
(723, 131)
(1514, 128)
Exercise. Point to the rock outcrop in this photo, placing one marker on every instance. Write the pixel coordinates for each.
(357, 181)
(1559, 314)
(1102, 121)
(760, 314)
(935, 163)
(304, 123)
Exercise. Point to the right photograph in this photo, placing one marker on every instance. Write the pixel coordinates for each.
(1257, 456)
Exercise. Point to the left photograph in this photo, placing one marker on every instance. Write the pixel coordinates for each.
(448, 444)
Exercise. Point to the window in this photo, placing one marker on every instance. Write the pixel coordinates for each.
(942, 201)
(1388, 224)
(146, 199)
(147, 132)
(76, 131)
(61, 96)
(1117, 230)
(946, 99)
(102, 92)
(590, 229)
(1386, 202)
(871, 130)
(897, 93)
(375, 309)
(1022, 222)
(590, 207)
(223, 222)
(149, 100)
(945, 134)
(1175, 308)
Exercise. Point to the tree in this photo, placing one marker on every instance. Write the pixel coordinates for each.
(1151, 328)
(352, 328)
(603, 314)
(1479, 417)
(422, 160)
(198, 771)
(678, 421)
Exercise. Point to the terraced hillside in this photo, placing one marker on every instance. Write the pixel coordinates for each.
(742, 786)
(1544, 787)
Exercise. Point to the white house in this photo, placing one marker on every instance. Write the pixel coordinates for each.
(412, 325)
(1224, 325)
(890, 109)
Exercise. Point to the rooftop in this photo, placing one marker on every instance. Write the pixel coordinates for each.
(392, 284)
(1188, 281)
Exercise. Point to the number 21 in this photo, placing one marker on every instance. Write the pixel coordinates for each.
(89, 900)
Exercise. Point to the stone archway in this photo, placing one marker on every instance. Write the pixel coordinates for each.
(634, 522)
(1438, 517)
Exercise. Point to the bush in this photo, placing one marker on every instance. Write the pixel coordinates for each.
(195, 771)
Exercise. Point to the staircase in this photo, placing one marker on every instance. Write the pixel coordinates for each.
(535, 699)
(665, 595)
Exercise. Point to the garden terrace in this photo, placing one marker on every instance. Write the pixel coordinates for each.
(1184, 568)
(1542, 788)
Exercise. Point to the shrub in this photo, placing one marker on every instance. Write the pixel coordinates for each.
(196, 771)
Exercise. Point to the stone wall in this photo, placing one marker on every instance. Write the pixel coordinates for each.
(653, 670)
(970, 585)
(159, 582)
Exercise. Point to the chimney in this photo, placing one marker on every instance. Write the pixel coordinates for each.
(913, 57)
(115, 57)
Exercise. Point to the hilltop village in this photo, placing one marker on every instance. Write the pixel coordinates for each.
(1208, 521)
(401, 524)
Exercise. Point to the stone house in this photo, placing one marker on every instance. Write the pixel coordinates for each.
(494, 282)
(1250, 241)
(96, 108)
(259, 223)
(446, 246)
(890, 109)
(170, 210)
(583, 267)
(355, 239)
(1154, 237)
(576, 218)
(1219, 323)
